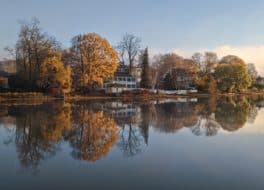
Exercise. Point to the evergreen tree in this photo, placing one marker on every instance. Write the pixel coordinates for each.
(168, 83)
(145, 75)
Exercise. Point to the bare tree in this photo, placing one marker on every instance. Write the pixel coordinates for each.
(131, 140)
(210, 61)
(32, 48)
(205, 62)
(154, 70)
(252, 71)
(129, 48)
(162, 64)
(198, 60)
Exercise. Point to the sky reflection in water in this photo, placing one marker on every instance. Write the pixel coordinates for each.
(206, 143)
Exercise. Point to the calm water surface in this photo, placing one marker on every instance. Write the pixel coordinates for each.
(180, 144)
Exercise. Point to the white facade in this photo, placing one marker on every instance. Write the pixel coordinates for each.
(122, 81)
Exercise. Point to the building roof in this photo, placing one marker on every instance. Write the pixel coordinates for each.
(122, 71)
(5, 74)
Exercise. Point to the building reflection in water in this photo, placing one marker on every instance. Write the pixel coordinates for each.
(93, 128)
(133, 136)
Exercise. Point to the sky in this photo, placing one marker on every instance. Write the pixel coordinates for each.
(180, 26)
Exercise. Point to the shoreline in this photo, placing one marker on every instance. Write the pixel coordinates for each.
(35, 97)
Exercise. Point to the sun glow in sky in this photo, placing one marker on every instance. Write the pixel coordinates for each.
(226, 26)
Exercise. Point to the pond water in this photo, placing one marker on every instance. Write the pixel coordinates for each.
(215, 143)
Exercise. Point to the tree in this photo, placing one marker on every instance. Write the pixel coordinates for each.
(231, 74)
(210, 62)
(145, 75)
(129, 48)
(163, 63)
(205, 82)
(212, 86)
(168, 82)
(189, 65)
(31, 50)
(198, 60)
(95, 59)
(54, 74)
(252, 72)
(201, 81)
(206, 62)
(155, 70)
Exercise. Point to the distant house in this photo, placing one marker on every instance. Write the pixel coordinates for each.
(121, 81)
(260, 81)
(8, 66)
(122, 113)
(7, 70)
(179, 79)
(4, 80)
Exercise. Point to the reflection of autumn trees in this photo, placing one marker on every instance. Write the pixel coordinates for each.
(133, 130)
(133, 127)
(6, 120)
(206, 124)
(252, 114)
(172, 117)
(148, 115)
(232, 113)
(130, 140)
(93, 134)
(133, 135)
(38, 130)
(206, 116)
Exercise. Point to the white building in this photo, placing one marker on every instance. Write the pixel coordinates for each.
(122, 81)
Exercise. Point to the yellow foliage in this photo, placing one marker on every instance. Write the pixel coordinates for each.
(99, 60)
(95, 135)
(58, 123)
(55, 74)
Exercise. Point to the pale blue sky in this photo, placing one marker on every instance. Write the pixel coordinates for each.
(162, 24)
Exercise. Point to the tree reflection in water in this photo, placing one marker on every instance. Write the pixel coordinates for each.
(92, 129)
(133, 128)
(130, 140)
(206, 124)
(205, 117)
(92, 135)
(232, 114)
(172, 117)
(38, 131)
